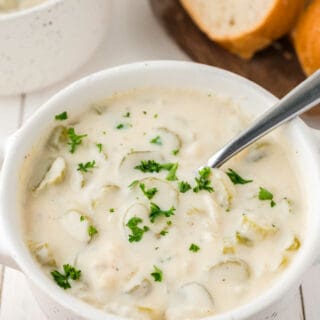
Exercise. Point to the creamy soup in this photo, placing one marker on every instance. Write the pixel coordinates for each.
(11, 5)
(117, 213)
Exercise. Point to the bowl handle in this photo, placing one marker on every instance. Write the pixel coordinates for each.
(5, 257)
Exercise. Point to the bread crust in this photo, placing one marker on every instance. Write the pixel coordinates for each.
(280, 20)
(306, 38)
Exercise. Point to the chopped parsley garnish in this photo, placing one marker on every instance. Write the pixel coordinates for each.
(172, 174)
(157, 274)
(111, 210)
(62, 279)
(85, 167)
(149, 193)
(120, 126)
(156, 140)
(74, 139)
(175, 152)
(123, 126)
(136, 232)
(82, 218)
(62, 116)
(149, 166)
(153, 166)
(236, 178)
(184, 186)
(203, 182)
(144, 112)
(194, 248)
(126, 115)
(156, 212)
(163, 232)
(100, 147)
(265, 194)
(92, 231)
(133, 184)
(155, 115)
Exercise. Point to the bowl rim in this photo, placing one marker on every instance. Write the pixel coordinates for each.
(21, 13)
(267, 298)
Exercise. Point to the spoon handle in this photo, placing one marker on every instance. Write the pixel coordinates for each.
(300, 99)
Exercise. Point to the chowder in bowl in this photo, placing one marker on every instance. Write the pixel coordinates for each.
(115, 218)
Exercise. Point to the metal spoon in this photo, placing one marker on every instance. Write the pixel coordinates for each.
(300, 99)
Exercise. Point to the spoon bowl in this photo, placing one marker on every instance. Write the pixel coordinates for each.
(299, 100)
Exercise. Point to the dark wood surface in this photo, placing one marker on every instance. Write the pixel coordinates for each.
(275, 68)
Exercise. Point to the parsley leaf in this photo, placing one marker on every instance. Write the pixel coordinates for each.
(74, 139)
(175, 152)
(100, 147)
(126, 115)
(62, 116)
(62, 279)
(265, 194)
(153, 166)
(123, 126)
(236, 178)
(203, 182)
(133, 184)
(85, 167)
(156, 212)
(172, 174)
(149, 166)
(184, 186)
(157, 140)
(136, 232)
(163, 232)
(194, 248)
(149, 193)
(71, 272)
(157, 274)
(112, 210)
(92, 231)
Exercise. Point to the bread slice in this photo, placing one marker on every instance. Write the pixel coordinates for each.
(306, 37)
(244, 26)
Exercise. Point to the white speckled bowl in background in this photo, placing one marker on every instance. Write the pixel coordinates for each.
(44, 44)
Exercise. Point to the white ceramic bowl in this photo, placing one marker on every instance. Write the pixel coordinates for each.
(56, 303)
(45, 43)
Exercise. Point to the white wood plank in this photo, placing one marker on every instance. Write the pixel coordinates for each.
(17, 300)
(311, 293)
(293, 309)
(1, 280)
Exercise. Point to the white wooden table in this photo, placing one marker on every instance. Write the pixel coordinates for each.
(134, 35)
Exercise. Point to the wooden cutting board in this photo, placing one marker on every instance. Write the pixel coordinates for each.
(276, 68)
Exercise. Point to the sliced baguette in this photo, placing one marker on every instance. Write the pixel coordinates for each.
(306, 37)
(244, 26)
